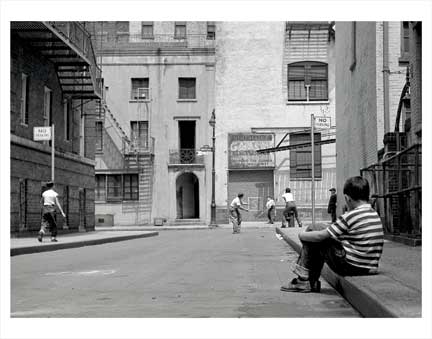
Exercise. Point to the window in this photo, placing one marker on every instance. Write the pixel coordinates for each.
(100, 189)
(114, 187)
(180, 30)
(405, 42)
(66, 118)
(300, 158)
(139, 134)
(211, 30)
(130, 187)
(140, 89)
(47, 107)
(147, 30)
(24, 98)
(307, 81)
(187, 88)
(353, 46)
(99, 136)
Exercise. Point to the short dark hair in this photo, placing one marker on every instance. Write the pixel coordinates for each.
(287, 190)
(240, 195)
(357, 188)
(49, 184)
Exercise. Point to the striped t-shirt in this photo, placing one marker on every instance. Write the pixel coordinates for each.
(361, 233)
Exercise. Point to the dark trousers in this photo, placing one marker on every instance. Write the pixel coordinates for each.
(313, 255)
(49, 220)
(236, 219)
(333, 215)
(269, 214)
(290, 207)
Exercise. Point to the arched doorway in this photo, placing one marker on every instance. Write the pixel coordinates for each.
(187, 196)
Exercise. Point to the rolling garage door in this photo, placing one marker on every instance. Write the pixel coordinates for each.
(256, 185)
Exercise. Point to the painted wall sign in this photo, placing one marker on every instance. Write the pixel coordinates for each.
(242, 149)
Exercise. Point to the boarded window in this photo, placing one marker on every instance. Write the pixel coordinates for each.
(301, 159)
(187, 88)
(100, 189)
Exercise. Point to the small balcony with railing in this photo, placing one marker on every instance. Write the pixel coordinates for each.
(126, 41)
(185, 157)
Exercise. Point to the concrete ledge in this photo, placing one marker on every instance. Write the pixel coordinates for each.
(38, 248)
(377, 296)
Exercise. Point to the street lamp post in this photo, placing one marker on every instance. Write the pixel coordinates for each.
(212, 123)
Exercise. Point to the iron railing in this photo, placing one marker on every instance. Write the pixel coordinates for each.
(185, 156)
(121, 39)
(139, 146)
(396, 182)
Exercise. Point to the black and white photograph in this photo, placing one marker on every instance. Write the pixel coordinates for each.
(234, 174)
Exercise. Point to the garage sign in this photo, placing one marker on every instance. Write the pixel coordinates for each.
(242, 149)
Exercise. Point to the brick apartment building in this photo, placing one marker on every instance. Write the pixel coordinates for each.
(54, 81)
(159, 85)
(270, 78)
(378, 109)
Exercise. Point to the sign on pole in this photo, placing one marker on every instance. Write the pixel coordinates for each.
(45, 133)
(42, 133)
(322, 122)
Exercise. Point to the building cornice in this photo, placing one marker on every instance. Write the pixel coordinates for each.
(17, 140)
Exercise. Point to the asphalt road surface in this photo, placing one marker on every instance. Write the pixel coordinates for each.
(182, 274)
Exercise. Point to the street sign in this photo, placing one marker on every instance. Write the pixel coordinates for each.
(41, 133)
(322, 122)
(206, 148)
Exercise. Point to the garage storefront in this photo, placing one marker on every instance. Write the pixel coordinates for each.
(250, 173)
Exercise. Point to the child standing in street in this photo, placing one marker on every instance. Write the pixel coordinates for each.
(290, 207)
(49, 201)
(235, 216)
(270, 205)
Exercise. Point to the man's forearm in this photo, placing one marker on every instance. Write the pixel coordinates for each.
(314, 236)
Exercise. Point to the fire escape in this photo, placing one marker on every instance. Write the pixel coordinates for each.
(68, 46)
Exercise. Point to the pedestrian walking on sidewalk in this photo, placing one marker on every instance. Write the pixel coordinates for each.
(331, 209)
(270, 205)
(350, 246)
(235, 216)
(49, 201)
(290, 207)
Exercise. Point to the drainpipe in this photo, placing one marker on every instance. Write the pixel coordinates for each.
(386, 72)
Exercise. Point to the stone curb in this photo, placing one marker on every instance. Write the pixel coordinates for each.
(80, 243)
(365, 303)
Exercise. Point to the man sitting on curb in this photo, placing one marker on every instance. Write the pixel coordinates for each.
(350, 246)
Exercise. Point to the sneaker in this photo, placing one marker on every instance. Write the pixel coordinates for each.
(40, 236)
(300, 224)
(302, 286)
(54, 240)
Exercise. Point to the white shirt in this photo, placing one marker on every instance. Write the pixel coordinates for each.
(49, 197)
(270, 203)
(288, 197)
(236, 202)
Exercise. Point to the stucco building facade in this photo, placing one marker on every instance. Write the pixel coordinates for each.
(159, 85)
(270, 78)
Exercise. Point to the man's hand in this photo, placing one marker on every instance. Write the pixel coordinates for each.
(64, 215)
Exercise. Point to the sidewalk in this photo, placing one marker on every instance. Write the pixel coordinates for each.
(394, 292)
(29, 245)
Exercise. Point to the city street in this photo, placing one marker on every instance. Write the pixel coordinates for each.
(200, 273)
